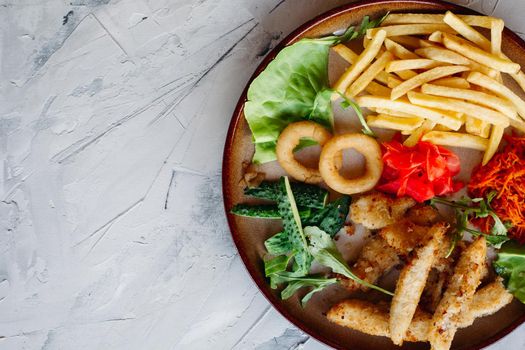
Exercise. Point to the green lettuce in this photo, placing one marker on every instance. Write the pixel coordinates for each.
(510, 265)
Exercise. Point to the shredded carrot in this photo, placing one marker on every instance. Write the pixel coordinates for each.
(505, 174)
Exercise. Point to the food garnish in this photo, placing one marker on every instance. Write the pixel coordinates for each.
(421, 172)
(467, 210)
(329, 163)
(510, 264)
(504, 175)
(294, 87)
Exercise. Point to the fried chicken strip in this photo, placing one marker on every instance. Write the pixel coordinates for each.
(377, 210)
(373, 319)
(376, 258)
(458, 295)
(411, 283)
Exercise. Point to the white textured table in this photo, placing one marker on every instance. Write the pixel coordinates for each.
(113, 116)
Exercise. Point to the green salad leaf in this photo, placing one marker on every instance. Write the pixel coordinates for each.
(510, 265)
(293, 226)
(332, 217)
(324, 251)
(294, 86)
(305, 195)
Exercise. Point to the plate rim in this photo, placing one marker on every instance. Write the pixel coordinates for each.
(228, 147)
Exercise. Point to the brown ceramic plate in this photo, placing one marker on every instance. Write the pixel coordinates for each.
(249, 234)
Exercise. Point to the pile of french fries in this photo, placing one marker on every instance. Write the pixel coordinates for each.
(436, 78)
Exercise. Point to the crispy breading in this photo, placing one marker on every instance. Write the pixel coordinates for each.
(376, 258)
(370, 318)
(442, 269)
(424, 215)
(360, 315)
(404, 235)
(411, 283)
(458, 296)
(487, 301)
(377, 210)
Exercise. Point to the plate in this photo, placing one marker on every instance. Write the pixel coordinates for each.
(249, 234)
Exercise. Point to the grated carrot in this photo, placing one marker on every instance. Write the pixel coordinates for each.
(505, 174)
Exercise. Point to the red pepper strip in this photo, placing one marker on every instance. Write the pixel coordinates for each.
(421, 172)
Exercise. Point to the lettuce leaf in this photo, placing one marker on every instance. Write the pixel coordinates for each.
(510, 265)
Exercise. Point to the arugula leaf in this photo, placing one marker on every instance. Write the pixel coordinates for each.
(510, 264)
(278, 244)
(276, 265)
(324, 251)
(318, 284)
(293, 87)
(467, 208)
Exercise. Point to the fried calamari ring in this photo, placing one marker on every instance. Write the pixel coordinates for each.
(289, 139)
(329, 168)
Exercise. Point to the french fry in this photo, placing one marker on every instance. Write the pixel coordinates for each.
(350, 56)
(369, 74)
(394, 113)
(442, 55)
(417, 63)
(406, 74)
(427, 43)
(478, 97)
(458, 296)
(392, 82)
(420, 79)
(378, 89)
(454, 82)
(499, 89)
(446, 103)
(410, 29)
(436, 37)
(476, 54)
(409, 108)
(496, 30)
(346, 53)
(409, 18)
(456, 139)
(411, 283)
(418, 133)
(467, 31)
(399, 50)
(386, 121)
(406, 40)
(495, 138)
(363, 61)
(477, 127)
